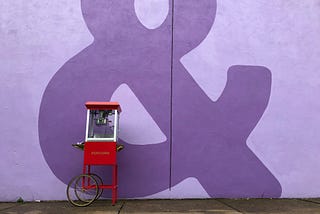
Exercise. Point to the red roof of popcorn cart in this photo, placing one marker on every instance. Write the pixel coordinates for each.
(103, 105)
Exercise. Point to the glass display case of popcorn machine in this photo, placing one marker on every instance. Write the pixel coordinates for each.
(102, 121)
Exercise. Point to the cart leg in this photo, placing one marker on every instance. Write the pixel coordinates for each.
(114, 184)
(116, 193)
(84, 169)
(89, 168)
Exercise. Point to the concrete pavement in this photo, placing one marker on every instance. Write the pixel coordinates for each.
(223, 206)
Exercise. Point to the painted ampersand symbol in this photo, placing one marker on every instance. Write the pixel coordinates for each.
(208, 138)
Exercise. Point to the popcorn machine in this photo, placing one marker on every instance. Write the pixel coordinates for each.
(100, 148)
(102, 121)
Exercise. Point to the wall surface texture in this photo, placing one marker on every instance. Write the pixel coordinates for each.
(219, 98)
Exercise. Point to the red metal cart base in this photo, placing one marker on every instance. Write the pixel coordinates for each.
(102, 153)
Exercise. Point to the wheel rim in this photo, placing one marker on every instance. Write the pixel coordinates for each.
(82, 190)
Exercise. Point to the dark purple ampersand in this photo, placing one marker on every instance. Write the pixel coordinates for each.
(208, 138)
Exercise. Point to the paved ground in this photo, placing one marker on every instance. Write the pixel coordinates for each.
(223, 206)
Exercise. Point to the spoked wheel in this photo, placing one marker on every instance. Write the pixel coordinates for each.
(82, 190)
(100, 182)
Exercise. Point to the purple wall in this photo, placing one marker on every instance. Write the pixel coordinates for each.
(217, 97)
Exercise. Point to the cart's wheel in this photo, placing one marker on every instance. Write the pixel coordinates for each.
(82, 190)
(100, 182)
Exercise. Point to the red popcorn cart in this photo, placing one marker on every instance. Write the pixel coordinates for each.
(100, 148)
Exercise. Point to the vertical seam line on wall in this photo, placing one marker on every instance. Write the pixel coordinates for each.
(171, 93)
